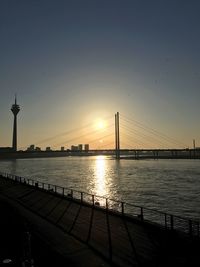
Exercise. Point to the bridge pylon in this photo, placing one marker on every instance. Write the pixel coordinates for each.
(117, 138)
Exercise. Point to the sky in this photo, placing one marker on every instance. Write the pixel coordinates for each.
(73, 64)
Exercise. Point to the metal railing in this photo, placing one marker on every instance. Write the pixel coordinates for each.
(162, 219)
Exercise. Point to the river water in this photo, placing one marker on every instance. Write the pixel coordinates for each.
(171, 186)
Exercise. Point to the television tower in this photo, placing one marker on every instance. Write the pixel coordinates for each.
(15, 110)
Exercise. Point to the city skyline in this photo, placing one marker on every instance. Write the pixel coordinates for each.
(74, 64)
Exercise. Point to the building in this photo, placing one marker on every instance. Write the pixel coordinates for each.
(31, 148)
(80, 147)
(86, 147)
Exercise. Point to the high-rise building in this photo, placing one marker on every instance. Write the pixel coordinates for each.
(86, 147)
(80, 147)
(15, 110)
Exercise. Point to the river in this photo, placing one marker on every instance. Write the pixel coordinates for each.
(167, 185)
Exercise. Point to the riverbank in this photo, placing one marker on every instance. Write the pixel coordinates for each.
(134, 154)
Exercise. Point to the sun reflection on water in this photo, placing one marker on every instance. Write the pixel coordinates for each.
(100, 174)
(103, 185)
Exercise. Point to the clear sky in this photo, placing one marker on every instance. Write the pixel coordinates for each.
(74, 62)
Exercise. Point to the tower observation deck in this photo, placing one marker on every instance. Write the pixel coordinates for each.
(15, 110)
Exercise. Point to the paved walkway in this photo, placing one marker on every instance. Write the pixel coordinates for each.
(89, 236)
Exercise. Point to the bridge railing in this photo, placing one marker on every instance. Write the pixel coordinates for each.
(165, 220)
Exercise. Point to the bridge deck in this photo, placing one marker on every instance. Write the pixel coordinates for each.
(90, 236)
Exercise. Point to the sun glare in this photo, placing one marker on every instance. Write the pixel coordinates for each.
(100, 124)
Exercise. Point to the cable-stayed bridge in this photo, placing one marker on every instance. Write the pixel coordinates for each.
(132, 135)
(122, 137)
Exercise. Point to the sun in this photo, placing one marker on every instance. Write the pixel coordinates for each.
(100, 124)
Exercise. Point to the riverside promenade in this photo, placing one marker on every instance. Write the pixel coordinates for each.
(71, 228)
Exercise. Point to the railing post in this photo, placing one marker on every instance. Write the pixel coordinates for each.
(190, 227)
(42, 185)
(81, 197)
(106, 204)
(172, 221)
(93, 200)
(48, 186)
